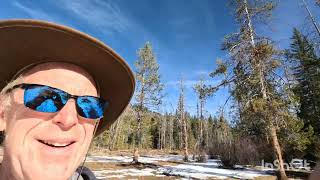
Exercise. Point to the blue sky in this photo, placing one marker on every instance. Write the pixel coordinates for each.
(186, 34)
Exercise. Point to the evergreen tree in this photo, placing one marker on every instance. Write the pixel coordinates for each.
(148, 92)
(203, 92)
(224, 141)
(182, 117)
(253, 78)
(306, 71)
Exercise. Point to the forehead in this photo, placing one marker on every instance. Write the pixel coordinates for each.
(68, 77)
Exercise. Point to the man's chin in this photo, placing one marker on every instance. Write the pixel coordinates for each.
(54, 164)
(51, 172)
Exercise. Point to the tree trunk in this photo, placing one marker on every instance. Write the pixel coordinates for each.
(138, 139)
(136, 155)
(114, 133)
(185, 134)
(180, 133)
(249, 23)
(260, 69)
(160, 136)
(201, 124)
(207, 135)
(278, 152)
(171, 133)
(314, 22)
(164, 133)
(273, 131)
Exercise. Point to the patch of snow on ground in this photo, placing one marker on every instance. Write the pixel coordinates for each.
(209, 163)
(204, 171)
(121, 173)
(210, 169)
(109, 159)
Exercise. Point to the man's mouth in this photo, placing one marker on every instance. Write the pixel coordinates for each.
(56, 144)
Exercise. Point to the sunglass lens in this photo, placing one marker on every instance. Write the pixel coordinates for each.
(90, 107)
(44, 98)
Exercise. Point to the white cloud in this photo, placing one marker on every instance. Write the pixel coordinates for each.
(33, 13)
(104, 15)
(100, 14)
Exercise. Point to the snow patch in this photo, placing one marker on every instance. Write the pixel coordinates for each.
(204, 171)
(121, 173)
(210, 169)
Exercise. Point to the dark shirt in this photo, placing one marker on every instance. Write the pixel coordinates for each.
(86, 174)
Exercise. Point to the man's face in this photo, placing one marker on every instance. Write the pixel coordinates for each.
(48, 145)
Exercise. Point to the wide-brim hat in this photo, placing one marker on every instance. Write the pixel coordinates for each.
(24, 43)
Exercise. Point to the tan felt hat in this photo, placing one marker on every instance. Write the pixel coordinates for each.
(27, 42)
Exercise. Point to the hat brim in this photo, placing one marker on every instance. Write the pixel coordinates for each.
(26, 42)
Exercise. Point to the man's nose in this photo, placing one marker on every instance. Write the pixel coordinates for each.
(67, 117)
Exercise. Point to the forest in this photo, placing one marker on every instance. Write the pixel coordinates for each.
(274, 99)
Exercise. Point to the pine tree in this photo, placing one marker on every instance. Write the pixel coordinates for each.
(203, 92)
(148, 92)
(253, 77)
(182, 117)
(306, 71)
(224, 142)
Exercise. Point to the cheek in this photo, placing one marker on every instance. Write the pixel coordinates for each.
(17, 138)
(18, 143)
(21, 121)
(84, 144)
(88, 130)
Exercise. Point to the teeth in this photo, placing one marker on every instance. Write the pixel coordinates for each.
(55, 144)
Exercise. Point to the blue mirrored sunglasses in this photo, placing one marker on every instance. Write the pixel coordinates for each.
(43, 98)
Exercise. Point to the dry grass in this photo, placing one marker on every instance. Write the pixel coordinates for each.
(142, 152)
(266, 178)
(96, 166)
(110, 166)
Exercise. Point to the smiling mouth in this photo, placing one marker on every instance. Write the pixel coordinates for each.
(56, 144)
